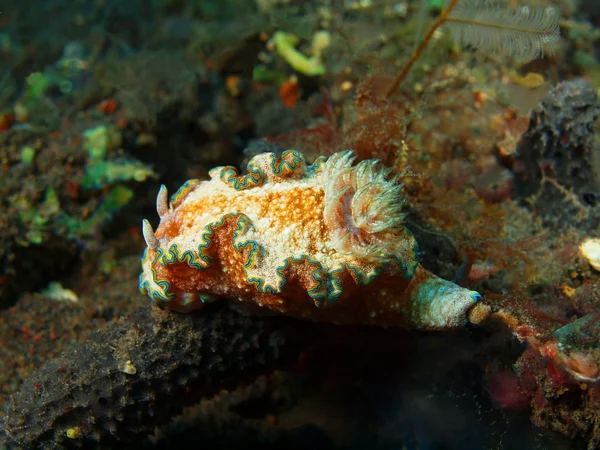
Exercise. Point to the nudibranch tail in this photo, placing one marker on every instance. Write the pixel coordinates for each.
(438, 303)
(324, 242)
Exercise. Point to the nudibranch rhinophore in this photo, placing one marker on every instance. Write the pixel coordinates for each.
(325, 242)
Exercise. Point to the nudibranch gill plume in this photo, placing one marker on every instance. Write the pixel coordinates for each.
(325, 242)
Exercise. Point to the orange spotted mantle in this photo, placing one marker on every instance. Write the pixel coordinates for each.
(324, 242)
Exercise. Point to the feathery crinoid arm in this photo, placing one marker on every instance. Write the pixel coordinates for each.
(525, 32)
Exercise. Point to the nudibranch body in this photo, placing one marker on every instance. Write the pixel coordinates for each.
(324, 242)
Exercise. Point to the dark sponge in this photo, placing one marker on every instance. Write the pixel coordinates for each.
(555, 166)
(85, 398)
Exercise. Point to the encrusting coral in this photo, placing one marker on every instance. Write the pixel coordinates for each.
(324, 242)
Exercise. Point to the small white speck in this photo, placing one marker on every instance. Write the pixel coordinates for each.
(264, 223)
(128, 368)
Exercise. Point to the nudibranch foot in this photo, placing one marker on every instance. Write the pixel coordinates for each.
(438, 303)
(324, 241)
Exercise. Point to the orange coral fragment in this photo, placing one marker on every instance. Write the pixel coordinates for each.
(289, 92)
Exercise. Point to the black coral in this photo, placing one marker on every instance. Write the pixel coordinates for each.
(525, 32)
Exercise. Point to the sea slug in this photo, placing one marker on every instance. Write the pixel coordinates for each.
(325, 242)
